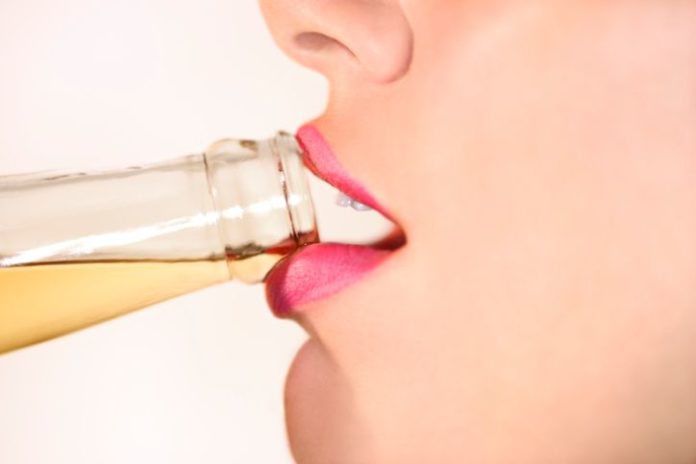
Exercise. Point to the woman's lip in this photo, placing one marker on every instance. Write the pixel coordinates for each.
(318, 271)
(319, 158)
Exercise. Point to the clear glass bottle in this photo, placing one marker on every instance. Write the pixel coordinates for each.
(77, 249)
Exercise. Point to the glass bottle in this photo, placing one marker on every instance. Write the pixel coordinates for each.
(80, 248)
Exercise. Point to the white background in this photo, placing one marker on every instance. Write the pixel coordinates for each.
(94, 83)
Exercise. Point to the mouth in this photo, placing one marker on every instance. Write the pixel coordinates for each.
(318, 271)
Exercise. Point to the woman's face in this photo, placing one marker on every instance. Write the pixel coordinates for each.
(541, 158)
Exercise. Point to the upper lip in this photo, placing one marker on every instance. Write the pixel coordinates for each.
(320, 270)
(320, 159)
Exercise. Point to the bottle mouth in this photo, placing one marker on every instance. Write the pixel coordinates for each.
(294, 183)
(264, 205)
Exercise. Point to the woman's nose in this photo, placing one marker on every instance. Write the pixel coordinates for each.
(333, 36)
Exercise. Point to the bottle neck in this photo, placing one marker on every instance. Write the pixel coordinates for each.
(247, 202)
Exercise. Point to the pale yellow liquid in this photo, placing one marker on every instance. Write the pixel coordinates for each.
(42, 301)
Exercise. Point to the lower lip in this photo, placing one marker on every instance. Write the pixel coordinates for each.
(318, 271)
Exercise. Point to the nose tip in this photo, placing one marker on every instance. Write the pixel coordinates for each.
(326, 36)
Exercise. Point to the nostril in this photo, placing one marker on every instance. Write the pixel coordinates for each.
(318, 42)
(313, 41)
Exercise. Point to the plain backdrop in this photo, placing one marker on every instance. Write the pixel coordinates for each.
(97, 84)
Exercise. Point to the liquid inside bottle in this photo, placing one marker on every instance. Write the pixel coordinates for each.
(41, 301)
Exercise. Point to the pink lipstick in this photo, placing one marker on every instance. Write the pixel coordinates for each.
(318, 271)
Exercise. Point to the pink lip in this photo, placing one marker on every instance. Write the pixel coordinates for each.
(321, 270)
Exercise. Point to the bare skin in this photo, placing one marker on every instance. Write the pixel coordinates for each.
(541, 156)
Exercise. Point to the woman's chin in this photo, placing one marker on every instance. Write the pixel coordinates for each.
(320, 411)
